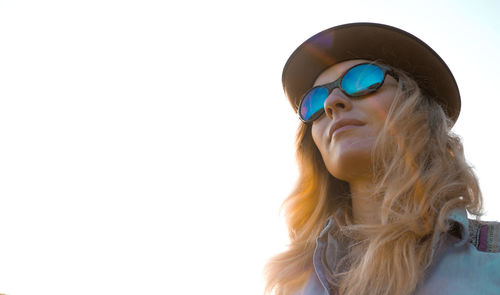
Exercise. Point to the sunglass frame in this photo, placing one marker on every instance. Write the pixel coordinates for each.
(338, 84)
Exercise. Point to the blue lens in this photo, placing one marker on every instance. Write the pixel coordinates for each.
(313, 102)
(362, 79)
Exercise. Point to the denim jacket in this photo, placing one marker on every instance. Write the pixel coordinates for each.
(467, 262)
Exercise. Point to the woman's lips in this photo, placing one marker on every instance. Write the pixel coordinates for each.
(346, 127)
(343, 125)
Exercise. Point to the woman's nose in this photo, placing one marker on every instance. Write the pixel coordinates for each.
(337, 102)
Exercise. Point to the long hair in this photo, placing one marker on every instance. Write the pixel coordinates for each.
(420, 175)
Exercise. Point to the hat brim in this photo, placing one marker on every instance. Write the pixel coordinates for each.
(371, 41)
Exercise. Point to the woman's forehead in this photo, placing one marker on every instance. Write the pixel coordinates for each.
(334, 72)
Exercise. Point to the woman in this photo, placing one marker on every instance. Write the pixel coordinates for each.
(380, 203)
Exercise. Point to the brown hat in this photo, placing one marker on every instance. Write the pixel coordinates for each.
(371, 41)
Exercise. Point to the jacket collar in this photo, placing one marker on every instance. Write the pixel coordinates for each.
(329, 250)
(458, 217)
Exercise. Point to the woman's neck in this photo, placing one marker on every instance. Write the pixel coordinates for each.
(365, 209)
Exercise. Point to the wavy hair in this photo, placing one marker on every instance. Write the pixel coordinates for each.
(420, 175)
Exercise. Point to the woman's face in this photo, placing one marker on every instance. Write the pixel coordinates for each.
(347, 151)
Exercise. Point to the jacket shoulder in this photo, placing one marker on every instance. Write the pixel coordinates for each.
(485, 235)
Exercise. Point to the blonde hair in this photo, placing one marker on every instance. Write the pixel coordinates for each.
(420, 176)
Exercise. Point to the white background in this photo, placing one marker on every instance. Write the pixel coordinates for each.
(145, 146)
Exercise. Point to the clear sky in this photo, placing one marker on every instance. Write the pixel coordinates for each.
(145, 146)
